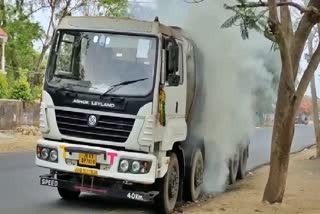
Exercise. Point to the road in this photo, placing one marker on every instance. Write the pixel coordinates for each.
(20, 191)
(260, 146)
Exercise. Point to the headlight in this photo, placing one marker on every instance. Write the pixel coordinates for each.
(135, 167)
(53, 155)
(47, 153)
(44, 153)
(124, 166)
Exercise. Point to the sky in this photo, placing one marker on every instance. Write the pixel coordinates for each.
(43, 17)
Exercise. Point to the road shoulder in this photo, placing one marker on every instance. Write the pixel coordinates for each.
(301, 196)
(17, 142)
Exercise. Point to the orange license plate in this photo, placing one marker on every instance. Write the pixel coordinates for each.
(88, 159)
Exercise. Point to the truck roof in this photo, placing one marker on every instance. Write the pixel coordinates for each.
(125, 25)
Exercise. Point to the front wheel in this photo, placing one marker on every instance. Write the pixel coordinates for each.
(68, 194)
(194, 178)
(169, 187)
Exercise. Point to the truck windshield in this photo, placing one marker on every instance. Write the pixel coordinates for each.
(94, 62)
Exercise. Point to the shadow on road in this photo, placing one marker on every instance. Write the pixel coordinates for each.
(101, 204)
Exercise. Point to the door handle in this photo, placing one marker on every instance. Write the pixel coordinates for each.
(177, 107)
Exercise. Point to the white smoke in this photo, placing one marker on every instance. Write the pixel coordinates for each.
(232, 69)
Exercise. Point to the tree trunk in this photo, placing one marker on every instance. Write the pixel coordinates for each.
(282, 136)
(37, 73)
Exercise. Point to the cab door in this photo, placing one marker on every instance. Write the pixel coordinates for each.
(175, 96)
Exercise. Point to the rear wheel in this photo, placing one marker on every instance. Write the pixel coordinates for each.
(244, 154)
(194, 178)
(169, 187)
(68, 194)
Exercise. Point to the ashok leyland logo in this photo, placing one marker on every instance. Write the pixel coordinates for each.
(94, 103)
(92, 121)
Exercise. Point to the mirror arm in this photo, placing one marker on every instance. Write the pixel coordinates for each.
(163, 70)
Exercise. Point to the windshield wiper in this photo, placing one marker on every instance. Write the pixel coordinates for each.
(70, 87)
(66, 77)
(118, 85)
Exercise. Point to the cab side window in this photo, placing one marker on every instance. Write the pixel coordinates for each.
(174, 67)
(64, 54)
(180, 64)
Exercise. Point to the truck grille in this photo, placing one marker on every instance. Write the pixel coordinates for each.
(107, 128)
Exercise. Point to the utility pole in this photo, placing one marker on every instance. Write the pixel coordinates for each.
(314, 98)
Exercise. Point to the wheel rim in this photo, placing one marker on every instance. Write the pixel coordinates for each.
(234, 168)
(173, 183)
(198, 175)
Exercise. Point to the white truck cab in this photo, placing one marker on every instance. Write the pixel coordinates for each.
(115, 111)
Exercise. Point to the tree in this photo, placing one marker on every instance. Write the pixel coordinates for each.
(278, 28)
(22, 32)
(114, 8)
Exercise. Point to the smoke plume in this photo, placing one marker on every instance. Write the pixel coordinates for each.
(230, 70)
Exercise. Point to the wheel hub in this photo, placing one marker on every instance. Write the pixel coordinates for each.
(173, 183)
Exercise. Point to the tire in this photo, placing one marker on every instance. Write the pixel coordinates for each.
(243, 163)
(169, 188)
(194, 177)
(68, 194)
(233, 169)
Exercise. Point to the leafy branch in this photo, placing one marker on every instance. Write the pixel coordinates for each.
(246, 18)
(260, 3)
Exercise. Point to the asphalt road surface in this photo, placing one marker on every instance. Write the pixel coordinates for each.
(260, 146)
(20, 191)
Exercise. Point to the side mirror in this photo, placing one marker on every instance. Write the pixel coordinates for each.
(173, 80)
(172, 57)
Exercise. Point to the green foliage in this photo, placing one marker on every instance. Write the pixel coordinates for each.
(115, 8)
(21, 90)
(36, 92)
(3, 86)
(247, 18)
(22, 32)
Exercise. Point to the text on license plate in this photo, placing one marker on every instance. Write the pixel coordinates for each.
(86, 171)
(88, 159)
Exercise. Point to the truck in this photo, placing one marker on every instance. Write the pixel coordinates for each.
(118, 101)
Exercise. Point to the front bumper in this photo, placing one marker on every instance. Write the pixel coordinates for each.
(50, 180)
(107, 157)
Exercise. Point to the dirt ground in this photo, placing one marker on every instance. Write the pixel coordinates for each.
(302, 194)
(16, 142)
